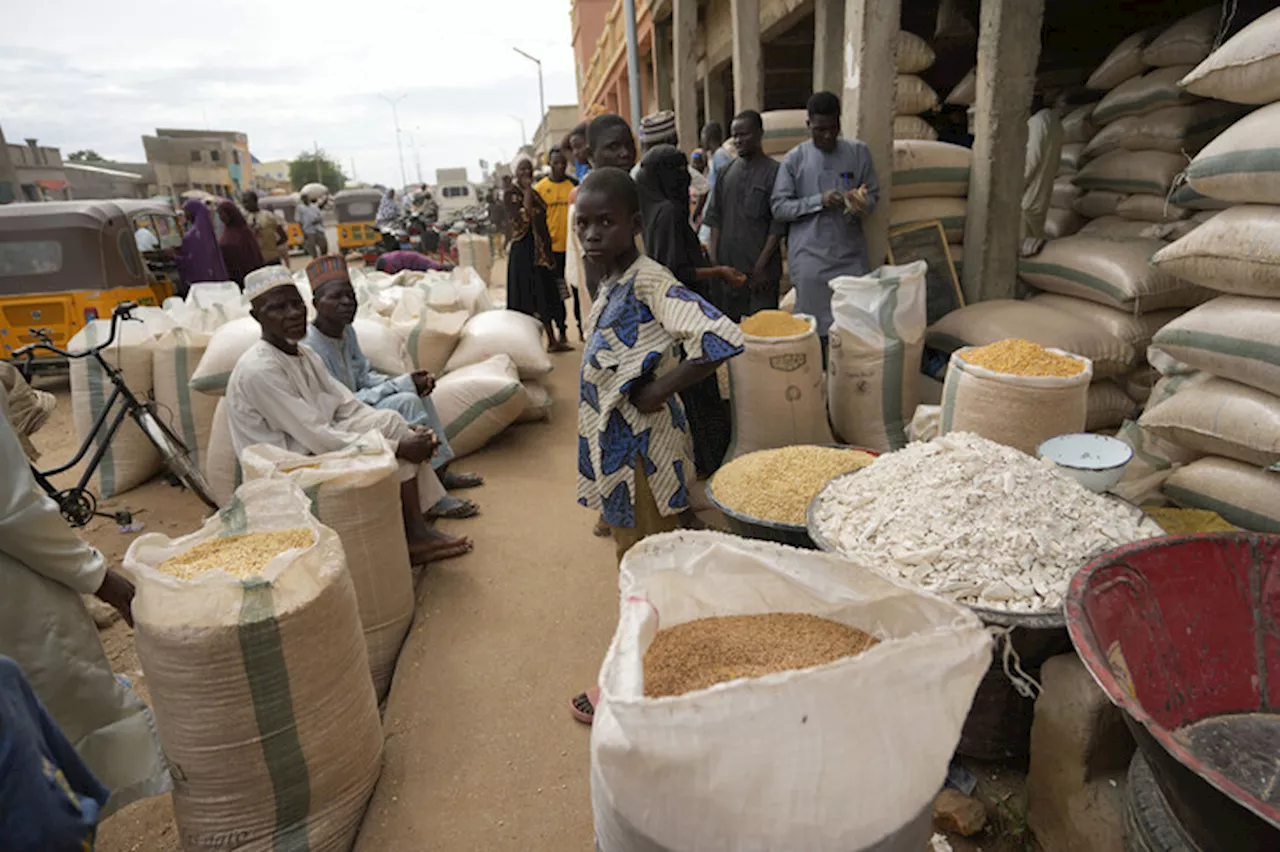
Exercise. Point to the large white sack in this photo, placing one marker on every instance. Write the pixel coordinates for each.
(382, 345)
(355, 492)
(225, 348)
(208, 306)
(711, 770)
(1242, 165)
(784, 129)
(1122, 63)
(914, 53)
(1219, 417)
(477, 402)
(1152, 91)
(1236, 251)
(925, 169)
(1116, 273)
(221, 468)
(1244, 70)
(130, 458)
(1235, 337)
(261, 690)
(188, 414)
(538, 405)
(913, 96)
(951, 212)
(502, 332)
(966, 91)
(1241, 493)
(430, 337)
(1188, 41)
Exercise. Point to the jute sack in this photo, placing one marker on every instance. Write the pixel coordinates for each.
(1172, 231)
(130, 458)
(1131, 171)
(913, 127)
(221, 468)
(1065, 192)
(430, 337)
(1152, 91)
(1144, 207)
(382, 345)
(226, 346)
(1188, 42)
(537, 404)
(1242, 165)
(1154, 461)
(355, 492)
(477, 402)
(1018, 411)
(707, 769)
(873, 363)
(1133, 329)
(1234, 337)
(1098, 203)
(1184, 196)
(474, 253)
(1246, 69)
(502, 333)
(950, 212)
(1122, 63)
(1177, 130)
(1237, 251)
(777, 392)
(1059, 223)
(1217, 417)
(188, 414)
(1241, 493)
(913, 96)
(1078, 125)
(1115, 273)
(784, 129)
(1109, 406)
(966, 91)
(1003, 319)
(260, 688)
(929, 169)
(914, 53)
(1119, 228)
(1069, 160)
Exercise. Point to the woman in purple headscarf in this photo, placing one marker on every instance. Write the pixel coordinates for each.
(199, 258)
(239, 245)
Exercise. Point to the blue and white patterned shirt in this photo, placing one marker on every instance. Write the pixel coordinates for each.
(637, 327)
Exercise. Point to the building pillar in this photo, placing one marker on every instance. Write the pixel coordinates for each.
(748, 61)
(714, 96)
(1008, 50)
(684, 26)
(871, 45)
(662, 65)
(828, 45)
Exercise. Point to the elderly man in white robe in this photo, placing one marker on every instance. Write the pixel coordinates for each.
(281, 393)
(46, 630)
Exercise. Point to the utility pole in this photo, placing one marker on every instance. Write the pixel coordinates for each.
(395, 117)
(417, 155)
(633, 63)
(353, 169)
(542, 103)
(319, 176)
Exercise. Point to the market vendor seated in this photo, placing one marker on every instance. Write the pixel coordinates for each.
(281, 394)
(332, 338)
(397, 261)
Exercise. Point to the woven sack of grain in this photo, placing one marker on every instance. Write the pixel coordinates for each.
(1145, 207)
(130, 458)
(477, 402)
(474, 253)
(784, 129)
(1237, 251)
(1131, 171)
(913, 96)
(188, 414)
(220, 466)
(1184, 196)
(502, 333)
(873, 364)
(1242, 165)
(1244, 70)
(1119, 228)
(966, 91)
(913, 127)
(430, 337)
(1109, 406)
(1004, 319)
(1241, 493)
(1078, 126)
(462, 289)
(1187, 42)
(1154, 461)
(537, 405)
(929, 169)
(1133, 329)
(914, 53)
(260, 689)
(382, 345)
(1123, 63)
(1177, 130)
(1154, 90)
(1098, 203)
(207, 306)
(226, 346)
(1059, 223)
(1069, 160)
(707, 769)
(1115, 273)
(1065, 193)
(1218, 417)
(950, 212)
(778, 393)
(1019, 411)
(1235, 337)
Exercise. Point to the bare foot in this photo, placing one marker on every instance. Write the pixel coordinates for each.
(438, 547)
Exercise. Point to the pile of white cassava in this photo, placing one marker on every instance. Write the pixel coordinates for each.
(974, 521)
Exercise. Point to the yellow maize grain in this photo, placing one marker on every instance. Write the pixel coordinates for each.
(241, 556)
(778, 485)
(1183, 521)
(774, 324)
(1023, 358)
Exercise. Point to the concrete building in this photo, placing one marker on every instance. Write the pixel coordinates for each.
(38, 173)
(105, 180)
(214, 161)
(555, 125)
(271, 176)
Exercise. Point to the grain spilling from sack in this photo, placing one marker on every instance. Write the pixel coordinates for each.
(771, 323)
(778, 485)
(1023, 358)
(707, 651)
(1184, 521)
(241, 556)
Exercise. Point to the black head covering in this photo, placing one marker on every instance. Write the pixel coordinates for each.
(663, 182)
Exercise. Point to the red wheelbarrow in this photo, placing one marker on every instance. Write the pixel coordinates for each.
(1183, 634)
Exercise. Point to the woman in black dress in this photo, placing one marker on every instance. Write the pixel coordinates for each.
(531, 283)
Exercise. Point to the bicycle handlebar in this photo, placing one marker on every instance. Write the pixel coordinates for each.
(123, 311)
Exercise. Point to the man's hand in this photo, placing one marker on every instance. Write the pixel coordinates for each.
(759, 279)
(424, 382)
(833, 198)
(856, 200)
(117, 592)
(733, 276)
(418, 447)
(647, 396)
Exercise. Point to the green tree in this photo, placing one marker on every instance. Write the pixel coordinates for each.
(88, 155)
(310, 166)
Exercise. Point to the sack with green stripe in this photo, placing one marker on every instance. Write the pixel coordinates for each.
(430, 336)
(1154, 461)
(260, 686)
(130, 459)
(1154, 90)
(1128, 172)
(1235, 337)
(873, 364)
(1115, 273)
(355, 492)
(1236, 251)
(476, 403)
(502, 332)
(1187, 41)
(220, 466)
(1243, 494)
(1245, 69)
(226, 346)
(1220, 417)
(1242, 165)
(1123, 63)
(923, 169)
(784, 129)
(187, 413)
(950, 212)
(1175, 129)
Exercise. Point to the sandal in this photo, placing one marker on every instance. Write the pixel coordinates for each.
(453, 508)
(454, 481)
(583, 705)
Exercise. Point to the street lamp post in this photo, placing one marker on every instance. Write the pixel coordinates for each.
(417, 155)
(395, 117)
(542, 100)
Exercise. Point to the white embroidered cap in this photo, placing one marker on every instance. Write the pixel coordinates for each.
(266, 279)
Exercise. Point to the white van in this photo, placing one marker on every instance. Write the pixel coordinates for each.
(454, 193)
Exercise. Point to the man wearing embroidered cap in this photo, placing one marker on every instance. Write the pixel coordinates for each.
(281, 394)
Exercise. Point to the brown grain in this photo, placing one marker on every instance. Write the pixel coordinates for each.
(773, 323)
(241, 556)
(778, 485)
(1023, 358)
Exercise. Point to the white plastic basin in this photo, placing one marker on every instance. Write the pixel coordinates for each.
(1095, 461)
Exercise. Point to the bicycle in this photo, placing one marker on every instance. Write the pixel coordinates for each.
(77, 504)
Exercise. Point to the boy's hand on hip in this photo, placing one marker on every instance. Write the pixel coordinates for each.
(648, 397)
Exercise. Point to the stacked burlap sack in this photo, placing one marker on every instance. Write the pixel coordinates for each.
(931, 182)
(1062, 219)
(1211, 431)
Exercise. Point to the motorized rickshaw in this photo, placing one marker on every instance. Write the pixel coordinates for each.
(285, 206)
(64, 263)
(159, 218)
(357, 210)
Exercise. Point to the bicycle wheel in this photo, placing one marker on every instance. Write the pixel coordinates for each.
(176, 457)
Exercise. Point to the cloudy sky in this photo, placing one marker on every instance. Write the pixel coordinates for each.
(97, 75)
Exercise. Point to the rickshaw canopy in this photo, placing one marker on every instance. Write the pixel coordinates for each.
(357, 205)
(61, 246)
